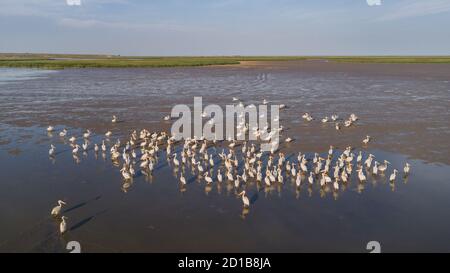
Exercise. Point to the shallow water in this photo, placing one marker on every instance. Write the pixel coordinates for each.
(157, 216)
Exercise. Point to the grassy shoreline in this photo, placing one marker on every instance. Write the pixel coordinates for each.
(61, 61)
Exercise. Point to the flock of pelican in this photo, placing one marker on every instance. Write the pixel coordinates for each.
(239, 164)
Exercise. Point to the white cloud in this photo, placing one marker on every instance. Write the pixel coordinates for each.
(373, 2)
(73, 2)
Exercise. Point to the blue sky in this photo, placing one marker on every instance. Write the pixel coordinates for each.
(226, 27)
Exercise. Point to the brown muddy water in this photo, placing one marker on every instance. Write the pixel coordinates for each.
(405, 108)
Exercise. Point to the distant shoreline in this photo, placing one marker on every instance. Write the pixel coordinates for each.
(61, 61)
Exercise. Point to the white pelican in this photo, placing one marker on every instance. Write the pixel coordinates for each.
(336, 185)
(63, 225)
(132, 172)
(63, 133)
(375, 168)
(175, 160)
(287, 140)
(208, 179)
(382, 168)
(200, 167)
(361, 175)
(267, 181)
(325, 120)
(183, 180)
(87, 134)
(406, 168)
(51, 152)
(368, 161)
(359, 158)
(232, 144)
(85, 146)
(393, 175)
(366, 140)
(125, 174)
(298, 180)
(219, 176)
(72, 139)
(108, 134)
(75, 150)
(56, 210)
(245, 199)
(114, 119)
(334, 117)
(344, 176)
(50, 129)
(311, 178)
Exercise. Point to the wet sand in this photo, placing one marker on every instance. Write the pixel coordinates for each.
(405, 112)
(404, 107)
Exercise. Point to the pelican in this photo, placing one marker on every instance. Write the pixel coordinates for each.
(56, 210)
(337, 126)
(75, 150)
(103, 146)
(232, 144)
(361, 175)
(366, 140)
(245, 199)
(63, 225)
(96, 147)
(51, 152)
(334, 117)
(114, 119)
(311, 178)
(50, 129)
(132, 172)
(183, 180)
(208, 179)
(85, 146)
(72, 139)
(108, 134)
(175, 160)
(393, 175)
(406, 168)
(125, 174)
(359, 158)
(287, 140)
(325, 120)
(200, 167)
(375, 168)
(63, 133)
(219, 176)
(336, 185)
(87, 134)
(368, 161)
(382, 168)
(298, 180)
